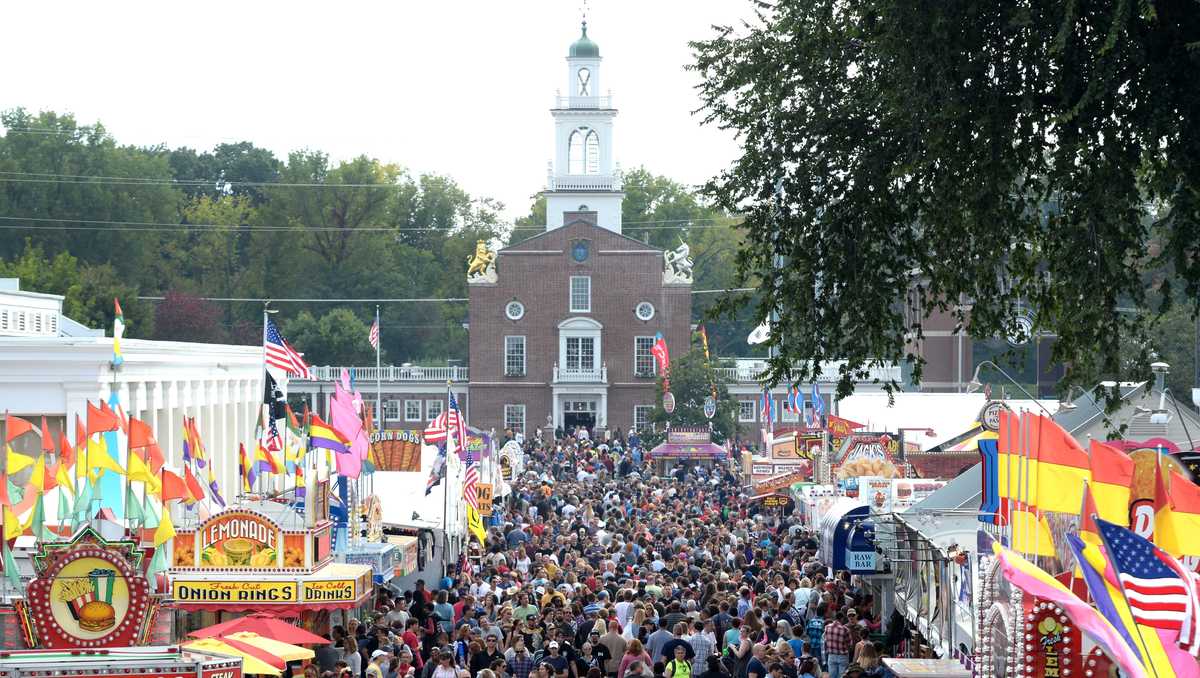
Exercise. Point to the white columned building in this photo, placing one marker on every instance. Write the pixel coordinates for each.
(583, 176)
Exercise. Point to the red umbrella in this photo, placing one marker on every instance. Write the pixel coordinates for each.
(264, 625)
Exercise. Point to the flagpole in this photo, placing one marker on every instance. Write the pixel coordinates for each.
(378, 376)
(446, 486)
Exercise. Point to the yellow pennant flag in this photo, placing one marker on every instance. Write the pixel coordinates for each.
(1031, 534)
(38, 479)
(140, 472)
(99, 458)
(63, 477)
(12, 526)
(17, 462)
(165, 530)
(475, 525)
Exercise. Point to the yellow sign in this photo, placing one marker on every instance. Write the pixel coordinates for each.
(483, 491)
(325, 591)
(89, 598)
(199, 591)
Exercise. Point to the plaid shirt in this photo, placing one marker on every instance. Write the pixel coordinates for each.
(521, 666)
(837, 638)
(704, 647)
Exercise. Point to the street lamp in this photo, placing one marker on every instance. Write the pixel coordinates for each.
(929, 433)
(975, 384)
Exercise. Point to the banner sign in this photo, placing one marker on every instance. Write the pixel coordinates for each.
(397, 450)
(784, 448)
(689, 436)
(869, 454)
(340, 590)
(840, 428)
(235, 538)
(483, 492)
(208, 591)
(783, 482)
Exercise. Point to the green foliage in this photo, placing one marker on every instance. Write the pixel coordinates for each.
(692, 380)
(338, 338)
(982, 155)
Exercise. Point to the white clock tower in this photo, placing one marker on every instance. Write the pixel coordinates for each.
(583, 176)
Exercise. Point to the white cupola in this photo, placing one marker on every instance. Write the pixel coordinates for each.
(583, 176)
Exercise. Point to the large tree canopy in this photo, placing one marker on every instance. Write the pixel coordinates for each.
(981, 157)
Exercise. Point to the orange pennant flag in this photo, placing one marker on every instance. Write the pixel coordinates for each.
(81, 434)
(5, 500)
(193, 485)
(101, 420)
(66, 455)
(154, 456)
(14, 427)
(173, 487)
(140, 434)
(47, 439)
(51, 476)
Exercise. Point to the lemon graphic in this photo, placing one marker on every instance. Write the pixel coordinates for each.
(1048, 626)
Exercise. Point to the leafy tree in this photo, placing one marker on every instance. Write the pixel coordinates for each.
(184, 317)
(530, 225)
(982, 155)
(230, 169)
(692, 380)
(337, 338)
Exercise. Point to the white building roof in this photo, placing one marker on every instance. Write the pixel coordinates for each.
(948, 414)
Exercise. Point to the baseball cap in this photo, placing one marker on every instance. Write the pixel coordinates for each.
(378, 653)
(554, 644)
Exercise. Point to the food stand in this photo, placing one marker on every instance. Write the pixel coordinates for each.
(91, 610)
(686, 445)
(244, 560)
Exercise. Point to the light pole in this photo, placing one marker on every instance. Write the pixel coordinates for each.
(975, 384)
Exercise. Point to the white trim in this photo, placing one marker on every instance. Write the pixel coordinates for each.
(395, 409)
(637, 306)
(517, 407)
(753, 412)
(580, 324)
(408, 417)
(524, 355)
(653, 363)
(635, 417)
(440, 406)
(571, 294)
(509, 304)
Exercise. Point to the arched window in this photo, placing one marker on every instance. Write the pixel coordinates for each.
(593, 152)
(575, 159)
(585, 82)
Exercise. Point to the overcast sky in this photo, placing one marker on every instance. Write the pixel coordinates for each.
(459, 87)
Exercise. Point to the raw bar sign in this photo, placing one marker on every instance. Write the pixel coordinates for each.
(397, 450)
(200, 591)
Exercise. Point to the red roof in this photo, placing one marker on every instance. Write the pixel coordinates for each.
(941, 465)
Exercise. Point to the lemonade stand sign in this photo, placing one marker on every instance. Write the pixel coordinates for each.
(239, 538)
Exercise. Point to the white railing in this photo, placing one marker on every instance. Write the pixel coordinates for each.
(603, 103)
(744, 374)
(580, 375)
(585, 182)
(393, 373)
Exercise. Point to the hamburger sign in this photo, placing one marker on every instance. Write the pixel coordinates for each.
(89, 593)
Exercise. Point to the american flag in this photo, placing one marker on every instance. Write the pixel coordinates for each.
(280, 354)
(470, 481)
(455, 419)
(373, 337)
(1160, 592)
(435, 432)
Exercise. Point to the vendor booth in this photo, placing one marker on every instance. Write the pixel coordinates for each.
(686, 445)
(245, 560)
(848, 537)
(160, 662)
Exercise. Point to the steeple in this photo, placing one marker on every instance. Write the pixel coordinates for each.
(583, 176)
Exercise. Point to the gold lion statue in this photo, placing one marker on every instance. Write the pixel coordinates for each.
(479, 263)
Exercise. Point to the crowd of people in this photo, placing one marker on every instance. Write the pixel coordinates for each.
(596, 567)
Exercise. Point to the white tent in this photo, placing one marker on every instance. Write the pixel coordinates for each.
(405, 503)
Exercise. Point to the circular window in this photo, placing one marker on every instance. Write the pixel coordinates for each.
(514, 310)
(644, 310)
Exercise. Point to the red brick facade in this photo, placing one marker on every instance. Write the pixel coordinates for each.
(537, 272)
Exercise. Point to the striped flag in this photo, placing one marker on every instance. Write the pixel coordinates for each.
(457, 422)
(373, 337)
(281, 355)
(470, 481)
(438, 471)
(1157, 595)
(435, 432)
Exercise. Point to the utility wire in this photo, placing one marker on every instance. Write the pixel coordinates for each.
(422, 300)
(59, 224)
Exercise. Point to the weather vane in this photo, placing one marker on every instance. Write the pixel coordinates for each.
(584, 11)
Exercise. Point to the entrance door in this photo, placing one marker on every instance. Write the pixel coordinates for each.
(571, 420)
